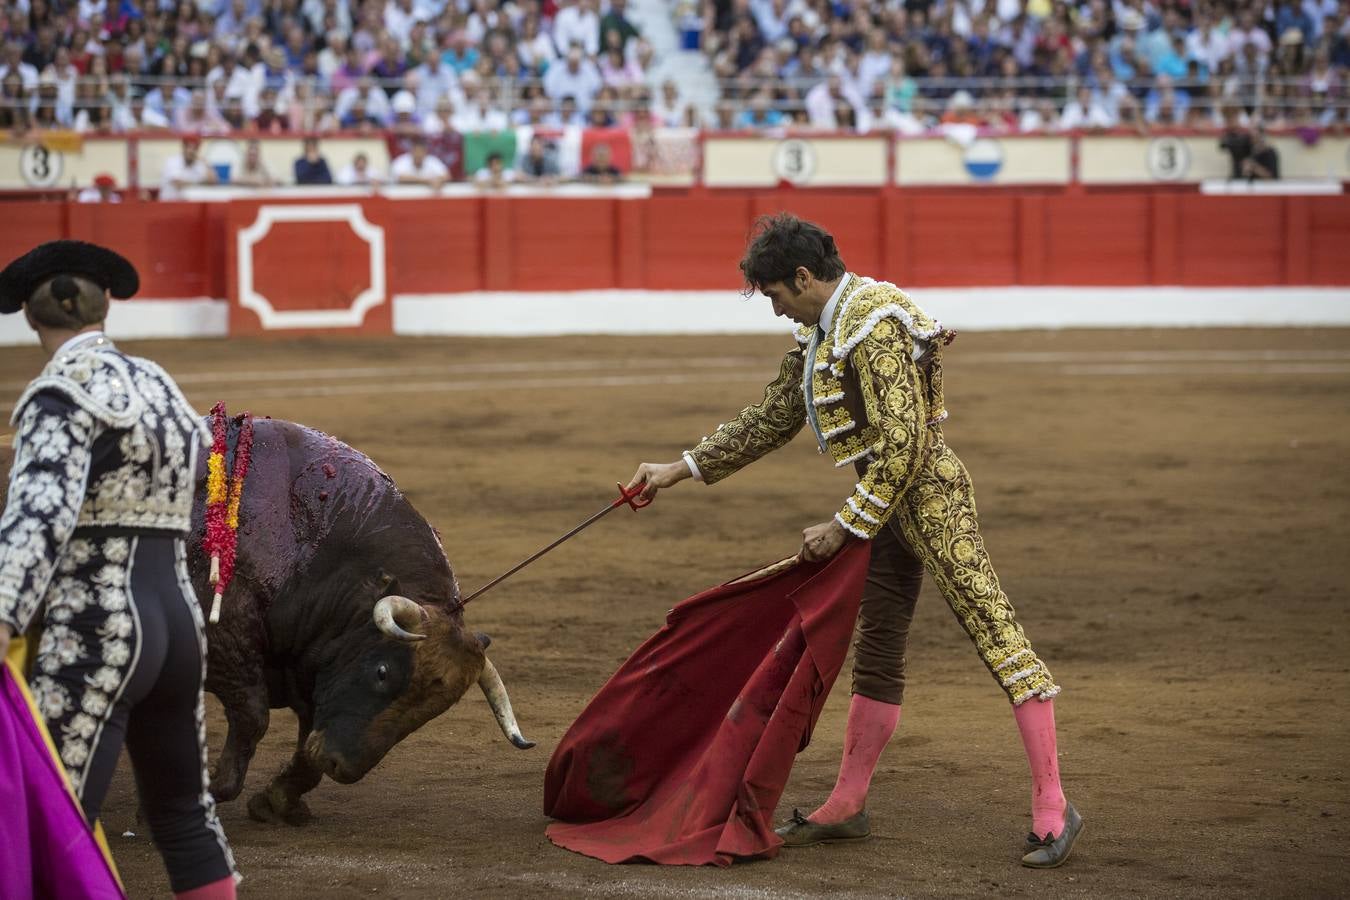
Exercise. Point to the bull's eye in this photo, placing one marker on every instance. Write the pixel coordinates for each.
(382, 672)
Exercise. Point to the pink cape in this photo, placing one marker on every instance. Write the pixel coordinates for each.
(46, 848)
(681, 757)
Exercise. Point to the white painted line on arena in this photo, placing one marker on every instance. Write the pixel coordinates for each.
(1107, 362)
(1206, 370)
(487, 387)
(224, 376)
(519, 314)
(482, 387)
(1071, 356)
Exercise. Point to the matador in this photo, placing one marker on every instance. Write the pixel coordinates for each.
(866, 377)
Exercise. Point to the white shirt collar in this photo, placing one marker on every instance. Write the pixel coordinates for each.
(77, 339)
(827, 314)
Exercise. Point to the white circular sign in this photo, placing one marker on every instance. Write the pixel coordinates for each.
(40, 166)
(794, 161)
(1169, 158)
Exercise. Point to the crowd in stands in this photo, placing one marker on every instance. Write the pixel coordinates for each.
(436, 66)
(1030, 65)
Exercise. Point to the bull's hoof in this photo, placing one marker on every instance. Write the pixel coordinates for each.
(225, 788)
(274, 807)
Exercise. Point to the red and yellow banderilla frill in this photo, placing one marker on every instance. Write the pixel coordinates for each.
(222, 500)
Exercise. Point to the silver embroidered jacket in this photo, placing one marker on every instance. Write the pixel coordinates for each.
(104, 440)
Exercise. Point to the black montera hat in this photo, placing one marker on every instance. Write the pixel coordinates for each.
(100, 265)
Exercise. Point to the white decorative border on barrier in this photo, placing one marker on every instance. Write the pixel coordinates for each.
(354, 315)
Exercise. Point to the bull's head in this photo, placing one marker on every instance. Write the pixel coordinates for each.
(420, 664)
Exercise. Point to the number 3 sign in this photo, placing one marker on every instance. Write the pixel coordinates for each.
(1169, 158)
(40, 166)
(794, 161)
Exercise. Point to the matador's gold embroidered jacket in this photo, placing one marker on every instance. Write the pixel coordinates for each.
(870, 396)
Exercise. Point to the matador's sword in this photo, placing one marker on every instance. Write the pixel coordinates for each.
(626, 498)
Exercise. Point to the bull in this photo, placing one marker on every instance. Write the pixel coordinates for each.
(343, 607)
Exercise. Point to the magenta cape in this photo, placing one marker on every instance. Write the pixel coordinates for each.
(46, 849)
(681, 757)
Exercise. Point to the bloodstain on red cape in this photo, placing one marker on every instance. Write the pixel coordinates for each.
(681, 757)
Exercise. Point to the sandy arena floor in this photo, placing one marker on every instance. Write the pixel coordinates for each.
(1169, 511)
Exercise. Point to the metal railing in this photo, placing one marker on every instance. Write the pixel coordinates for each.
(107, 104)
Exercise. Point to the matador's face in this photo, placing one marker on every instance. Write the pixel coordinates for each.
(798, 299)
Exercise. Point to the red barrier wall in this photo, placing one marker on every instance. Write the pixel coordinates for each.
(691, 240)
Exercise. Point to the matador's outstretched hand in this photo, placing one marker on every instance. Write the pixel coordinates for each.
(654, 476)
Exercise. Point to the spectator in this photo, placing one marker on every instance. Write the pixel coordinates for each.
(435, 80)
(760, 112)
(1236, 141)
(1264, 162)
(1165, 104)
(540, 162)
(358, 173)
(351, 73)
(103, 190)
(374, 104)
(670, 107)
(1085, 112)
(535, 48)
(392, 62)
(825, 100)
(417, 166)
(187, 169)
(569, 114)
(14, 62)
(198, 118)
(601, 169)
(92, 113)
(254, 172)
(495, 174)
(441, 119)
(576, 78)
(270, 118)
(311, 167)
(14, 115)
(1247, 32)
(50, 112)
(577, 25)
(459, 54)
(478, 113)
(405, 120)
(615, 22)
(616, 72)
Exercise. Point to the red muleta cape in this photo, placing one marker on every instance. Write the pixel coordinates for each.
(681, 757)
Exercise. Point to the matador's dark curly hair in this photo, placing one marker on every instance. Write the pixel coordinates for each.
(781, 243)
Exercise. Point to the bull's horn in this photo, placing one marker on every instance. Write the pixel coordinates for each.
(495, 691)
(392, 608)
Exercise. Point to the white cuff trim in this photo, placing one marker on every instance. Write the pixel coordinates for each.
(693, 466)
(854, 458)
(870, 497)
(866, 517)
(1020, 654)
(847, 527)
(835, 432)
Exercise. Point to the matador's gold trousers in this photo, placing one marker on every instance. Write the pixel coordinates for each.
(936, 527)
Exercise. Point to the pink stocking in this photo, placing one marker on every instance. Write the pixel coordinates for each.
(870, 726)
(216, 890)
(1036, 720)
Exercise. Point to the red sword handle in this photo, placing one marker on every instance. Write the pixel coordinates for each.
(633, 498)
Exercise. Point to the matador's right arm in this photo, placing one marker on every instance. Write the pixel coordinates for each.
(757, 430)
